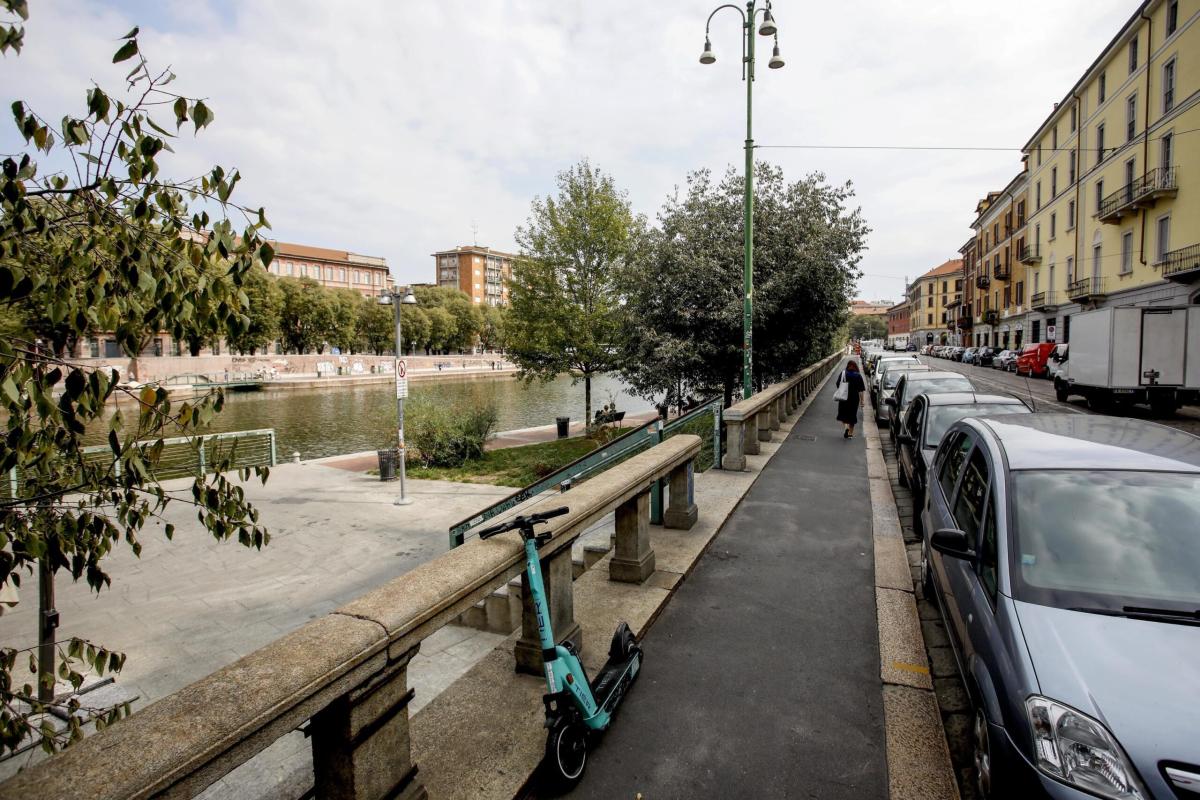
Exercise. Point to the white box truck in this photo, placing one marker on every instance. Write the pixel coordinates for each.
(1137, 354)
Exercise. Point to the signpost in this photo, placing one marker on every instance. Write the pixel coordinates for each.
(1051, 333)
(401, 394)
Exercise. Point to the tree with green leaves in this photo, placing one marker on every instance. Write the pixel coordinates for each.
(306, 315)
(491, 333)
(867, 326)
(375, 330)
(442, 328)
(264, 306)
(108, 245)
(684, 299)
(416, 329)
(565, 314)
(343, 331)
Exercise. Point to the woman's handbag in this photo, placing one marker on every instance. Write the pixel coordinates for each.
(842, 392)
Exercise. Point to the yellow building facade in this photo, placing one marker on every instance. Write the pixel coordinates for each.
(1114, 177)
(933, 301)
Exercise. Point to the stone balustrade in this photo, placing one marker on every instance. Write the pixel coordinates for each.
(751, 421)
(343, 677)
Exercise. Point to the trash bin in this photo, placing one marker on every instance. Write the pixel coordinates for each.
(388, 459)
(564, 426)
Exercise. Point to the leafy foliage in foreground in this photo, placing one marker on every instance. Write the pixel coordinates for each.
(110, 245)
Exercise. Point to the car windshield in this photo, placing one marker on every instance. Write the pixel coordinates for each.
(892, 377)
(916, 385)
(942, 417)
(1107, 538)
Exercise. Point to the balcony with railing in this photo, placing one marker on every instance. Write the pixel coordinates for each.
(983, 282)
(1030, 254)
(954, 303)
(1182, 264)
(1002, 271)
(1143, 192)
(1043, 301)
(1086, 290)
(991, 317)
(965, 320)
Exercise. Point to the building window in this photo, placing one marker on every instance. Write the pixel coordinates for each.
(1020, 213)
(1165, 149)
(1053, 225)
(1133, 45)
(1172, 16)
(1053, 182)
(1099, 195)
(1097, 255)
(1168, 84)
(945, 285)
(1071, 168)
(1103, 86)
(1131, 118)
(1054, 138)
(1070, 271)
(1007, 296)
(1100, 143)
(1020, 292)
(1074, 118)
(930, 319)
(996, 232)
(1163, 245)
(930, 303)
(958, 285)
(1038, 200)
(1126, 253)
(94, 347)
(1071, 215)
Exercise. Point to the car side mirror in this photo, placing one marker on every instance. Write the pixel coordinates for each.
(905, 438)
(952, 542)
(891, 401)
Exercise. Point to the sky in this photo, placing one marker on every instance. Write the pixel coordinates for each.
(396, 128)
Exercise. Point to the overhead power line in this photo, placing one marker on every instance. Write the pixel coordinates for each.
(952, 148)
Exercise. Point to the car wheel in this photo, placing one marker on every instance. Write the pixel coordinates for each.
(1060, 392)
(982, 756)
(927, 575)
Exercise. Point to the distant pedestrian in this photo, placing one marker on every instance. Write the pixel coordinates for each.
(849, 394)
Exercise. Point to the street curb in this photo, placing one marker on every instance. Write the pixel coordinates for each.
(918, 756)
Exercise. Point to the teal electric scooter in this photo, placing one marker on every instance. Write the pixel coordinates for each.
(575, 708)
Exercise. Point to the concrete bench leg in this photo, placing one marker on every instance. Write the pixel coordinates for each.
(763, 421)
(750, 443)
(735, 444)
(360, 741)
(633, 560)
(560, 595)
(681, 510)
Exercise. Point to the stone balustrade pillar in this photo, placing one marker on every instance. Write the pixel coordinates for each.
(633, 558)
(773, 415)
(360, 742)
(763, 423)
(751, 436)
(558, 579)
(681, 508)
(735, 445)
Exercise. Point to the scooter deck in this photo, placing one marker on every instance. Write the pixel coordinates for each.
(608, 687)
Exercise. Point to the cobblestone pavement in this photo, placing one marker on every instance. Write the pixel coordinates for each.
(947, 684)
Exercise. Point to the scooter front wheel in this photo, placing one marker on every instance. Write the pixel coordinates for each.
(566, 754)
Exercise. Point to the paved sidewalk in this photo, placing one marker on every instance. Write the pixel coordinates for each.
(762, 675)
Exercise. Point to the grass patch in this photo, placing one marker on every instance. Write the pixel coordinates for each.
(511, 466)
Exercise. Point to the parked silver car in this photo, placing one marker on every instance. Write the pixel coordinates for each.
(1063, 551)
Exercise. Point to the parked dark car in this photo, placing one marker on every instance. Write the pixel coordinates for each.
(984, 356)
(968, 355)
(1062, 551)
(927, 419)
(886, 386)
(912, 384)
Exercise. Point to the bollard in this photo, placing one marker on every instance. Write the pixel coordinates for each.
(295, 457)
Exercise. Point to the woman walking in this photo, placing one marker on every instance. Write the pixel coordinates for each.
(851, 385)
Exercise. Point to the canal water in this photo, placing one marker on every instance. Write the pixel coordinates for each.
(350, 419)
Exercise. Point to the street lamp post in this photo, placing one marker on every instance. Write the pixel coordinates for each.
(767, 28)
(393, 297)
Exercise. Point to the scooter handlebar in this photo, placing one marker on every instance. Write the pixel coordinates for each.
(522, 522)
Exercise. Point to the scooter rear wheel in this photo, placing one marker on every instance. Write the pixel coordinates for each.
(566, 754)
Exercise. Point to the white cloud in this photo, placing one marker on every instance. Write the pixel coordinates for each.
(389, 128)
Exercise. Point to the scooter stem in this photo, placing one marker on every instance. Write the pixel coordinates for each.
(533, 573)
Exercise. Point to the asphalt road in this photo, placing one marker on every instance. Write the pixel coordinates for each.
(1042, 393)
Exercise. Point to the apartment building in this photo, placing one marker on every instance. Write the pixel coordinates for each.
(481, 272)
(898, 328)
(337, 269)
(931, 299)
(999, 285)
(964, 313)
(1113, 226)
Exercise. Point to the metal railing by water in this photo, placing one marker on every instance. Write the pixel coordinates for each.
(181, 456)
(704, 420)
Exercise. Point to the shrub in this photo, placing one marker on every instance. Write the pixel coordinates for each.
(448, 434)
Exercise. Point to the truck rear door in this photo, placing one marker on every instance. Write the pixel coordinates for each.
(1164, 339)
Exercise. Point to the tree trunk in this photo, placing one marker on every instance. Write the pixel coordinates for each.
(587, 402)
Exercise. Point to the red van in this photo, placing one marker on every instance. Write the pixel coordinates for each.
(1033, 359)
